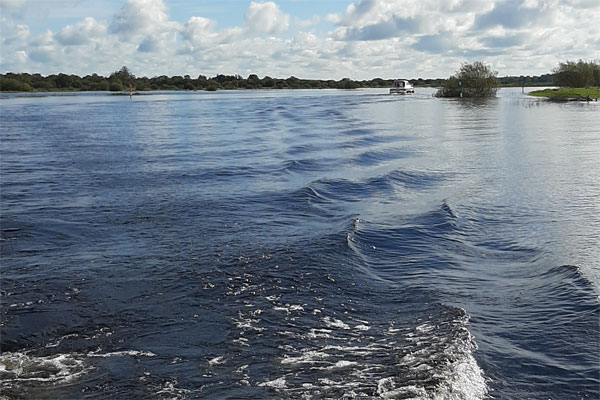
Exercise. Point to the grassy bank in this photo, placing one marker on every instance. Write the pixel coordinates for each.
(568, 94)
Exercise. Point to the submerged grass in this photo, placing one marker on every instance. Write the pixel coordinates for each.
(568, 94)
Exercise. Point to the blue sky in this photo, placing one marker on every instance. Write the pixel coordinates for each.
(320, 39)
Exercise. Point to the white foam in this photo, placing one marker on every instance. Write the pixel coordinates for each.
(387, 390)
(59, 341)
(170, 388)
(130, 353)
(216, 361)
(60, 368)
(461, 378)
(308, 357)
(319, 333)
(353, 350)
(425, 328)
(278, 383)
(335, 323)
(248, 324)
(343, 364)
(242, 368)
(241, 341)
(466, 381)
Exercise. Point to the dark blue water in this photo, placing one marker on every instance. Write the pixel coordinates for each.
(299, 244)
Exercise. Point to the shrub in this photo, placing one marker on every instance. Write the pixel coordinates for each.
(577, 74)
(115, 86)
(472, 80)
(13, 85)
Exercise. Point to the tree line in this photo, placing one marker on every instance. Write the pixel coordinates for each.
(121, 79)
(578, 74)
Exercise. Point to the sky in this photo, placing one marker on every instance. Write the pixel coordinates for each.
(309, 39)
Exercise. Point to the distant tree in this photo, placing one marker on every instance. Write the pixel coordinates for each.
(347, 83)
(377, 82)
(253, 81)
(268, 82)
(42, 85)
(115, 86)
(472, 80)
(124, 76)
(102, 85)
(577, 74)
(13, 85)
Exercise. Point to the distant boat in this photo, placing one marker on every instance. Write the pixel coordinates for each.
(402, 87)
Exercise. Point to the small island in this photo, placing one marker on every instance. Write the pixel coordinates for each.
(472, 80)
(577, 81)
(568, 94)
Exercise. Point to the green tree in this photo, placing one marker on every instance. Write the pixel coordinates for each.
(347, 83)
(13, 85)
(577, 74)
(472, 80)
(115, 86)
(122, 76)
(268, 82)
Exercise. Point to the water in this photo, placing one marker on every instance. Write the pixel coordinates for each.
(299, 244)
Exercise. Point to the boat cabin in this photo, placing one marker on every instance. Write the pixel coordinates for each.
(401, 86)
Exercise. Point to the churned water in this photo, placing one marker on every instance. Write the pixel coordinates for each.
(299, 244)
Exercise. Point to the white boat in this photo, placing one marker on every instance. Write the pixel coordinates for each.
(402, 87)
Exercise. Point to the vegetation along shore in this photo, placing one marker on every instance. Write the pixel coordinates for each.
(119, 81)
(577, 81)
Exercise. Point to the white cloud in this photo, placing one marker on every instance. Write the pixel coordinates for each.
(199, 31)
(266, 18)
(13, 33)
(11, 3)
(81, 33)
(457, 31)
(371, 38)
(21, 57)
(305, 23)
(149, 44)
(141, 17)
(333, 18)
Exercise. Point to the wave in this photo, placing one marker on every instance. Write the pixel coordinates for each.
(26, 374)
(433, 359)
(304, 165)
(350, 191)
(375, 157)
(410, 247)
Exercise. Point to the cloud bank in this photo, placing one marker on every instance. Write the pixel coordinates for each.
(368, 39)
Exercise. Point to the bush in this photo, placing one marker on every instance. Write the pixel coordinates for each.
(577, 74)
(13, 85)
(42, 85)
(472, 80)
(101, 86)
(115, 86)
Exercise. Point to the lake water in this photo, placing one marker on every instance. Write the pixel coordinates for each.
(299, 244)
